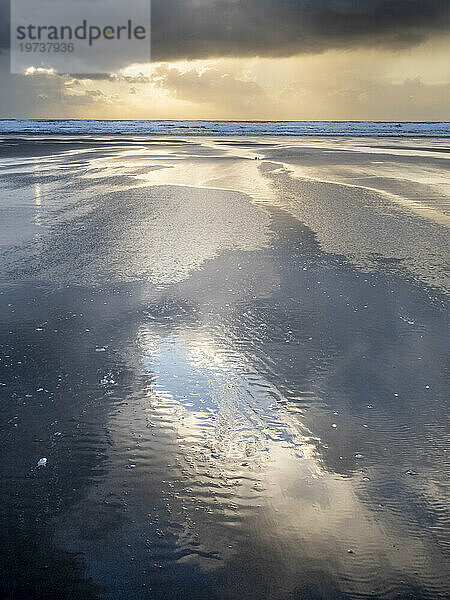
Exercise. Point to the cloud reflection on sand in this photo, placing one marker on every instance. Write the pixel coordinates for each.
(268, 395)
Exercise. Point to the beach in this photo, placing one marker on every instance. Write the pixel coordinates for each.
(233, 353)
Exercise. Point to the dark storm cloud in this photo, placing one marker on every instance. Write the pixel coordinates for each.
(203, 28)
(4, 24)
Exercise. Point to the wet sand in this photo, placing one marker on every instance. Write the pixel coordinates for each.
(233, 354)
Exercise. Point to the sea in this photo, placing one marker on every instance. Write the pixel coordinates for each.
(225, 128)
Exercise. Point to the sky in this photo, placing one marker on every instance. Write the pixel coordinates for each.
(259, 59)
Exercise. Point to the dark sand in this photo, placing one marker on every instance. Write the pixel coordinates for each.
(236, 368)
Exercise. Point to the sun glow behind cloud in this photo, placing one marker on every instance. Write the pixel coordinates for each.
(413, 84)
(253, 59)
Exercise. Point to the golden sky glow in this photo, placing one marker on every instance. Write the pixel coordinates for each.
(365, 82)
(358, 84)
